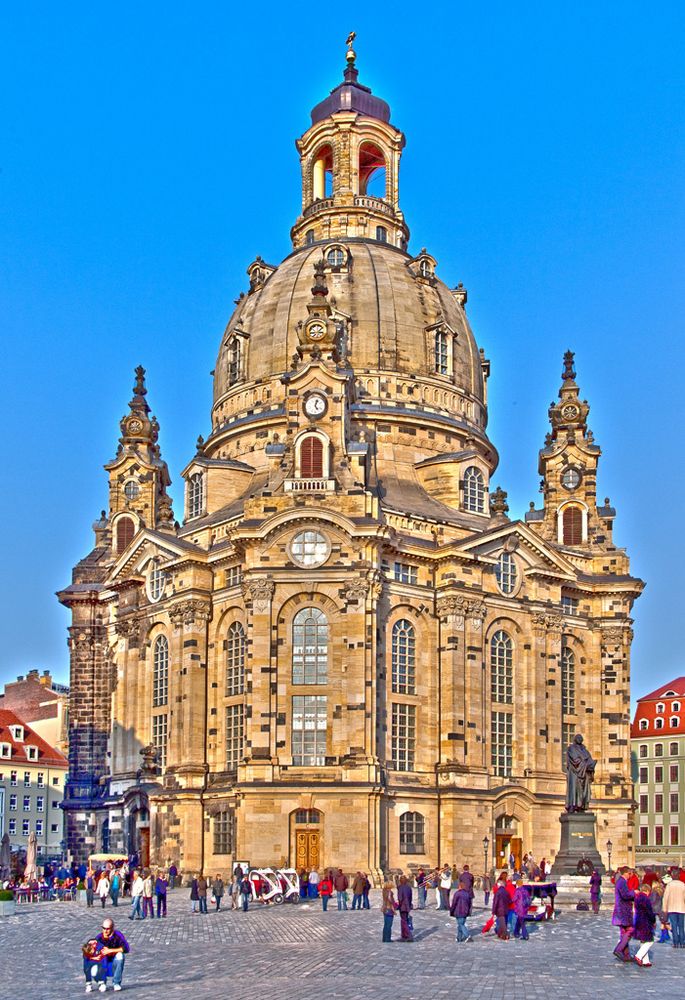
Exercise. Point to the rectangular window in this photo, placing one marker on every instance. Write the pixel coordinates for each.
(403, 737)
(673, 750)
(5, 750)
(644, 775)
(441, 354)
(25, 827)
(235, 728)
(404, 573)
(27, 803)
(234, 575)
(39, 827)
(673, 772)
(643, 749)
(644, 836)
(674, 831)
(412, 828)
(40, 780)
(53, 828)
(501, 735)
(13, 802)
(659, 836)
(223, 832)
(644, 803)
(12, 827)
(13, 779)
(658, 802)
(309, 724)
(675, 802)
(569, 605)
(658, 774)
(55, 781)
(568, 731)
(159, 738)
(27, 779)
(40, 803)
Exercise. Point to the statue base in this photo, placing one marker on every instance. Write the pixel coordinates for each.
(577, 844)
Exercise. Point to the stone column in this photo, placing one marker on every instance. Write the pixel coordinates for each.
(260, 679)
(452, 735)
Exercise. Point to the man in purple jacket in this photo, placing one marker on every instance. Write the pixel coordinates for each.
(404, 901)
(623, 914)
(460, 908)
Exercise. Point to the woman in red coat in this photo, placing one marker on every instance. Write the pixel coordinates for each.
(325, 891)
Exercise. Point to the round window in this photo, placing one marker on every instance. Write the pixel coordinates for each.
(570, 478)
(506, 572)
(131, 490)
(156, 583)
(335, 257)
(309, 548)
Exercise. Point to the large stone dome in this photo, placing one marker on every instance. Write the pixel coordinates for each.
(390, 304)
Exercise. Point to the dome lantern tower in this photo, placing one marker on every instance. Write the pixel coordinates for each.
(350, 160)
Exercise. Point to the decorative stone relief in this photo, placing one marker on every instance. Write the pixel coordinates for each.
(355, 591)
(259, 593)
(189, 612)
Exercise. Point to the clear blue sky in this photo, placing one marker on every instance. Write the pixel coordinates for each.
(147, 156)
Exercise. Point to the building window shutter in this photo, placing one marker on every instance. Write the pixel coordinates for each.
(311, 458)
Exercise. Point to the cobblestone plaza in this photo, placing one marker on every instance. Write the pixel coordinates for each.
(299, 951)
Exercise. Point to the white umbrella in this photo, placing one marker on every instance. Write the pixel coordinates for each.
(5, 857)
(32, 850)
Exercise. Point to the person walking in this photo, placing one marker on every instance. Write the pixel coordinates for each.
(194, 895)
(389, 907)
(313, 884)
(595, 890)
(404, 902)
(235, 891)
(325, 891)
(467, 878)
(136, 897)
(421, 888)
(643, 928)
(623, 914)
(460, 908)
(90, 887)
(112, 949)
(202, 893)
(218, 890)
(341, 882)
(245, 892)
(115, 887)
(521, 904)
(173, 872)
(673, 906)
(486, 886)
(161, 886)
(148, 893)
(103, 889)
(500, 907)
(357, 891)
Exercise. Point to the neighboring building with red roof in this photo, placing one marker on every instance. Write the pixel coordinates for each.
(32, 774)
(41, 703)
(658, 746)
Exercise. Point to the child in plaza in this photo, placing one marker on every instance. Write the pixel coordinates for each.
(645, 919)
(521, 904)
(91, 958)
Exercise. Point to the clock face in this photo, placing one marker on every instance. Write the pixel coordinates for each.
(315, 405)
(570, 479)
(134, 426)
(569, 412)
(316, 331)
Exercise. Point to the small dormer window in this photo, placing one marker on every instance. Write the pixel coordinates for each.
(658, 723)
(675, 721)
(660, 708)
(17, 733)
(5, 750)
(425, 269)
(644, 724)
(196, 495)
(233, 360)
(442, 359)
(474, 490)
(31, 752)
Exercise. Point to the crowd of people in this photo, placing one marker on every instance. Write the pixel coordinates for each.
(643, 904)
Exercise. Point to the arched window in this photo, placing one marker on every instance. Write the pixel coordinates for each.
(568, 681)
(675, 707)
(233, 360)
(381, 234)
(372, 173)
(674, 721)
(311, 457)
(322, 173)
(644, 724)
(658, 749)
(673, 749)
(660, 708)
(412, 833)
(126, 529)
(160, 677)
(425, 269)
(309, 237)
(196, 495)
(442, 360)
(658, 723)
(501, 667)
(235, 659)
(506, 573)
(310, 647)
(572, 526)
(474, 490)
(643, 749)
(403, 657)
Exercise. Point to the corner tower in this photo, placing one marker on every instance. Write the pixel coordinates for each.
(350, 160)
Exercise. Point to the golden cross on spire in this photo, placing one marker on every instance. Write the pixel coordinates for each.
(351, 54)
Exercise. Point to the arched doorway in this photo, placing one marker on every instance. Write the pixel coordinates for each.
(306, 838)
(507, 841)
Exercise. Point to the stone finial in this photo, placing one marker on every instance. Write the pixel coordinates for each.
(320, 288)
(568, 372)
(498, 501)
(200, 444)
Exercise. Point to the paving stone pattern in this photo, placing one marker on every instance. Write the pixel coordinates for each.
(278, 952)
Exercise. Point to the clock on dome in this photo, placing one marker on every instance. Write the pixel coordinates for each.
(315, 405)
(316, 331)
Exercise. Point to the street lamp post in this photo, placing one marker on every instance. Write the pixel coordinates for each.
(486, 844)
(609, 849)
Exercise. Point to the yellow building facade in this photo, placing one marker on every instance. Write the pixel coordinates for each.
(347, 653)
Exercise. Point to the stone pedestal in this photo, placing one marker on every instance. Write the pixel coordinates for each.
(577, 843)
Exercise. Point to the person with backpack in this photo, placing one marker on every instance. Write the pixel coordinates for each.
(325, 891)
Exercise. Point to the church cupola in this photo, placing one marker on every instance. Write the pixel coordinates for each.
(350, 160)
